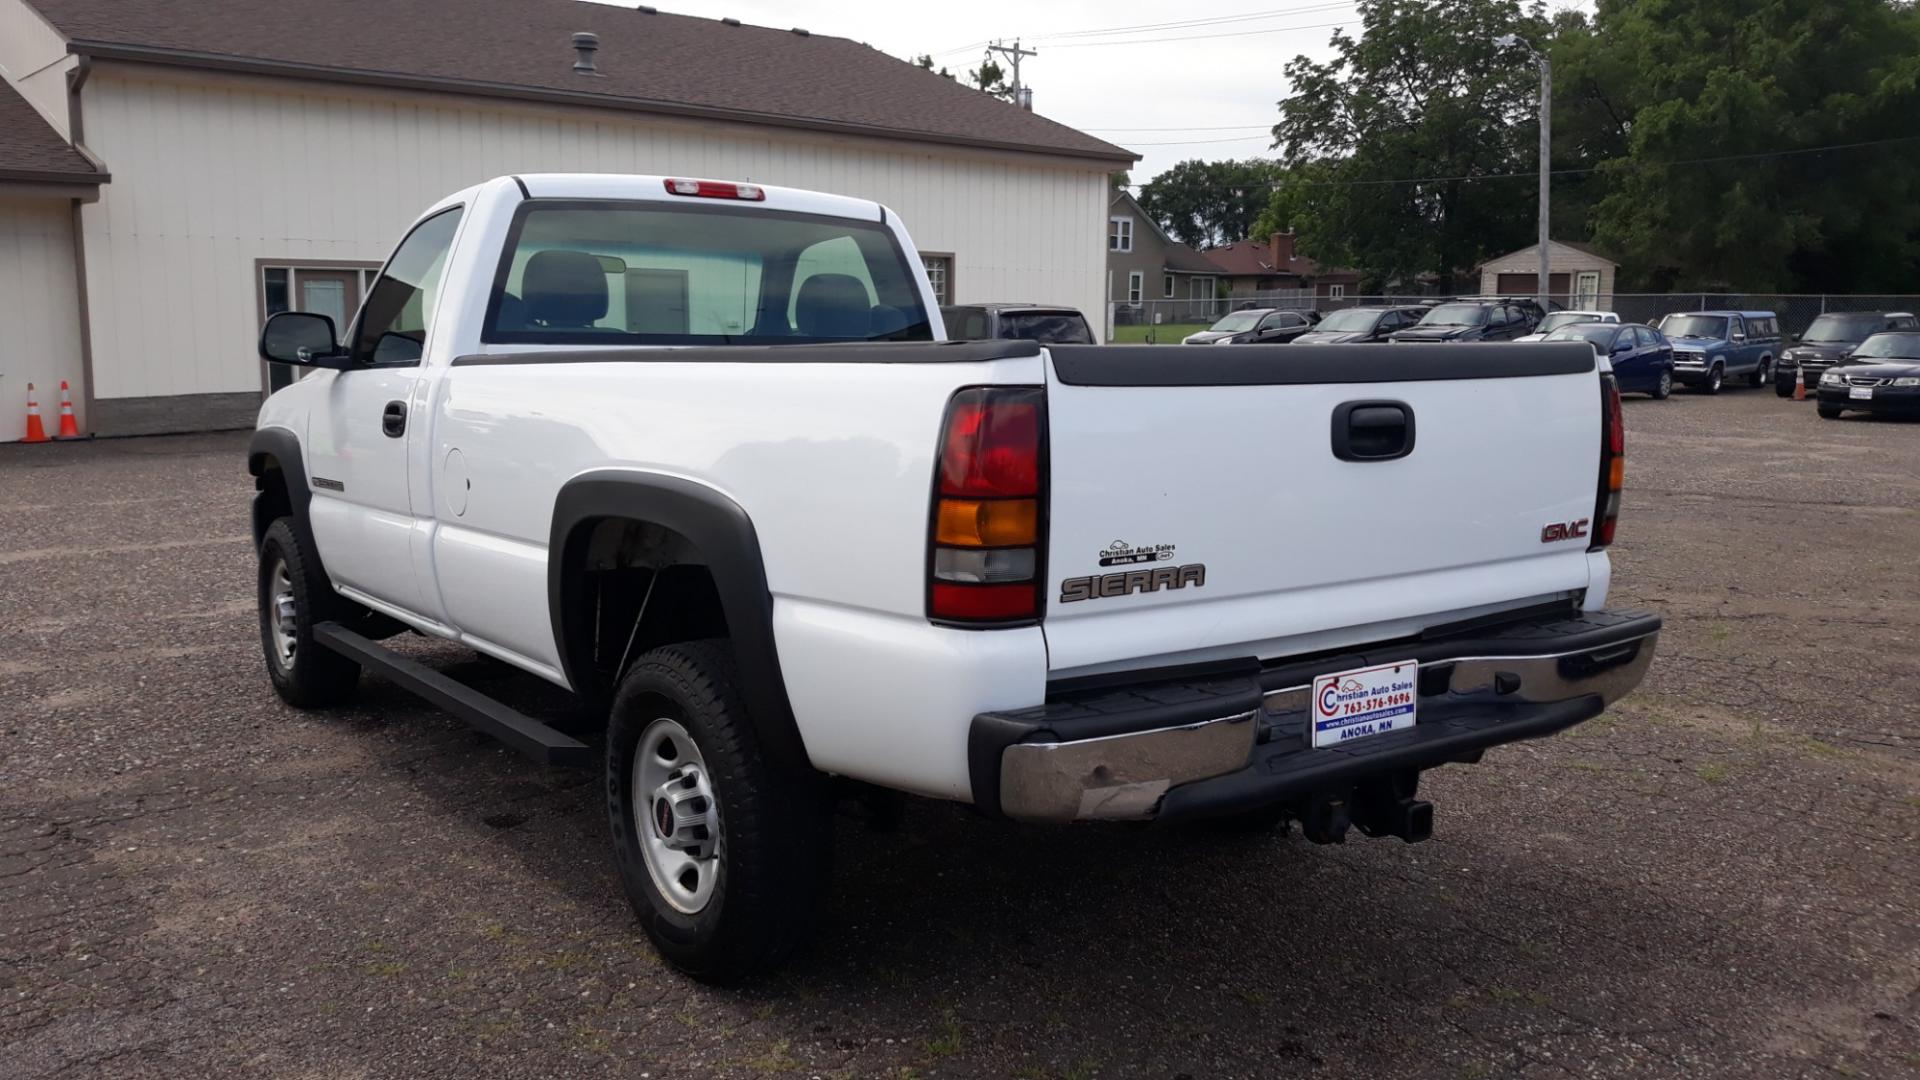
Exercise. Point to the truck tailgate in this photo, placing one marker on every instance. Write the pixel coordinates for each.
(1213, 481)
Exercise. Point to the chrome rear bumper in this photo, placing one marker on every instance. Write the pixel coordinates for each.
(1103, 755)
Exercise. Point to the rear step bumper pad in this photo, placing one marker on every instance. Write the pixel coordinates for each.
(1191, 749)
(516, 729)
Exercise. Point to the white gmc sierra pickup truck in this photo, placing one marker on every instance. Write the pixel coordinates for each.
(695, 450)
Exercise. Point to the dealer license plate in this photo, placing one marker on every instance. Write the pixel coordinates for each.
(1349, 705)
(1861, 393)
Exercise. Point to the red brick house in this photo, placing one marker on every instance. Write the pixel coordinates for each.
(1264, 266)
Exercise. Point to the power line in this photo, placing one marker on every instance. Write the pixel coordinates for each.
(1176, 25)
(1183, 24)
(1223, 127)
(1197, 37)
(1621, 163)
(1205, 142)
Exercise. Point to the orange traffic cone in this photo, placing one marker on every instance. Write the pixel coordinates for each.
(1800, 385)
(69, 428)
(36, 432)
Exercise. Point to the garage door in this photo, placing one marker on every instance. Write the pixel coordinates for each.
(1529, 285)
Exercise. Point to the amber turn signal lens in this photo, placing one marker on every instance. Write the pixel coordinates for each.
(1617, 474)
(988, 522)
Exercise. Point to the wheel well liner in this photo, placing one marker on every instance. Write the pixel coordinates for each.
(278, 450)
(723, 534)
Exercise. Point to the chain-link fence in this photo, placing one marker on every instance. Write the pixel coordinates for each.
(1165, 321)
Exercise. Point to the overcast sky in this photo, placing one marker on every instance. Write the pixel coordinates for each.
(1211, 77)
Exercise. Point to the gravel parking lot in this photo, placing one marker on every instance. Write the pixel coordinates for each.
(1719, 878)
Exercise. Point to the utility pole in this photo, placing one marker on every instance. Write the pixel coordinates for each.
(1021, 96)
(1546, 150)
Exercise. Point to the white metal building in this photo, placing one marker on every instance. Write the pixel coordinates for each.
(171, 173)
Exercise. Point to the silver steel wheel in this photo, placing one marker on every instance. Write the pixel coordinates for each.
(282, 615)
(1666, 384)
(676, 816)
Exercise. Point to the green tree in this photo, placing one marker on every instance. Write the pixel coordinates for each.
(991, 78)
(1422, 94)
(1210, 203)
(1658, 84)
(926, 61)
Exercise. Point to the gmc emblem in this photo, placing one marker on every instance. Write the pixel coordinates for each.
(1564, 530)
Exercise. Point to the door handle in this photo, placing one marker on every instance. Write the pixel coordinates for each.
(393, 421)
(1372, 430)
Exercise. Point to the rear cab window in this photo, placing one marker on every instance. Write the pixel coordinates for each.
(578, 272)
(1046, 327)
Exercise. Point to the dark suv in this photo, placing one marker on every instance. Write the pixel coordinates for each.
(1360, 324)
(1475, 319)
(1830, 339)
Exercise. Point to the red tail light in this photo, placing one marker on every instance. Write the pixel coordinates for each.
(984, 565)
(1613, 464)
(717, 189)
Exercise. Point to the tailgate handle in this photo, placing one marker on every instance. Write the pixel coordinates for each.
(1372, 430)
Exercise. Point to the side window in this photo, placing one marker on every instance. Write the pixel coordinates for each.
(1736, 327)
(394, 321)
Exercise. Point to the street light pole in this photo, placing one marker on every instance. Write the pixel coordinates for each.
(1546, 150)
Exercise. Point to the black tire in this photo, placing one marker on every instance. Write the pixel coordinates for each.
(1663, 389)
(1829, 412)
(1783, 389)
(1716, 377)
(305, 676)
(774, 850)
(1761, 373)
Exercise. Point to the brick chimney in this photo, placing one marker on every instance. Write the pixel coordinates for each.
(1280, 250)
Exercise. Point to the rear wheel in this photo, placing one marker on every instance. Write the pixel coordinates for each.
(1663, 389)
(294, 597)
(1762, 373)
(1829, 412)
(723, 853)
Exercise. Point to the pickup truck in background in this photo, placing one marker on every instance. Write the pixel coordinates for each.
(1048, 325)
(694, 450)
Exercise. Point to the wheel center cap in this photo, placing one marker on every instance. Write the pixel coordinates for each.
(663, 819)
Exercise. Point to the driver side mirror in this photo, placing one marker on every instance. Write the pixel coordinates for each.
(303, 338)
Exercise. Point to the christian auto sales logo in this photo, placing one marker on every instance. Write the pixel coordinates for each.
(1335, 694)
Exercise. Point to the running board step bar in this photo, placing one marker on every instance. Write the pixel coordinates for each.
(516, 729)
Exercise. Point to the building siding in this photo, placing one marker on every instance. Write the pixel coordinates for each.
(211, 173)
(1561, 260)
(39, 311)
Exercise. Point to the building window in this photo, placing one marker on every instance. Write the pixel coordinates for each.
(1201, 289)
(332, 289)
(939, 276)
(1167, 286)
(1336, 292)
(1120, 234)
(1134, 286)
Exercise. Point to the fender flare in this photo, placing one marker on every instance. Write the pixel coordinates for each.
(283, 446)
(723, 533)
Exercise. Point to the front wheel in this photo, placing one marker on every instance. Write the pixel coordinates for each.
(1716, 376)
(294, 597)
(1782, 389)
(723, 853)
(1663, 389)
(1829, 412)
(1762, 373)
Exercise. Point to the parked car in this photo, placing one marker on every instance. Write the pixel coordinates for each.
(785, 535)
(1559, 319)
(1830, 339)
(1641, 356)
(1017, 322)
(1360, 324)
(1473, 320)
(1710, 347)
(1882, 377)
(1261, 326)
